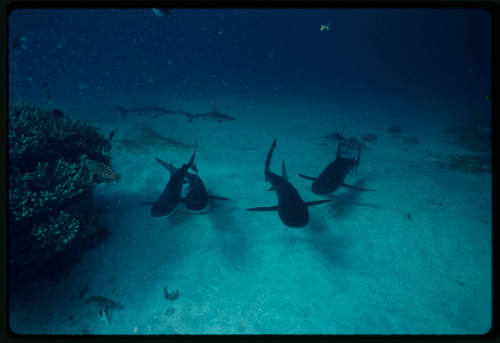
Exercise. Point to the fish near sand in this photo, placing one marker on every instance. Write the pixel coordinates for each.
(332, 177)
(214, 115)
(170, 198)
(197, 197)
(291, 208)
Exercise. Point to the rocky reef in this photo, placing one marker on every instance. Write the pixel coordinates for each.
(52, 218)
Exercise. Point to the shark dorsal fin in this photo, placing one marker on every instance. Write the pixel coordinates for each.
(283, 171)
(214, 109)
(339, 153)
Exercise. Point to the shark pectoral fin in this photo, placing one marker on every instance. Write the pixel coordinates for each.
(357, 188)
(270, 208)
(317, 202)
(217, 198)
(307, 177)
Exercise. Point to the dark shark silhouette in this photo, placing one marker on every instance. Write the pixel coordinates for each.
(170, 198)
(332, 177)
(215, 115)
(291, 208)
(197, 197)
(156, 110)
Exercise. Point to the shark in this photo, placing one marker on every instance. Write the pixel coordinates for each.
(197, 197)
(332, 177)
(214, 115)
(170, 198)
(144, 110)
(292, 210)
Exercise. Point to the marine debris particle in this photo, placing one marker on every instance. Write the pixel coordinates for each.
(172, 295)
(147, 137)
(102, 170)
(105, 307)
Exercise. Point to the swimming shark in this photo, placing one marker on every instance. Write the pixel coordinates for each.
(144, 110)
(170, 198)
(332, 177)
(215, 115)
(291, 208)
(197, 197)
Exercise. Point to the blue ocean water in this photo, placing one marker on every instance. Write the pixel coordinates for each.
(412, 257)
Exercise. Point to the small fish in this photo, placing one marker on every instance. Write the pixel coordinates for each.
(102, 171)
(111, 134)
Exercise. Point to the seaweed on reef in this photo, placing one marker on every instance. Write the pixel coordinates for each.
(51, 206)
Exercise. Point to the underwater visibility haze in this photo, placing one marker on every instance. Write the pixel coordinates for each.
(250, 171)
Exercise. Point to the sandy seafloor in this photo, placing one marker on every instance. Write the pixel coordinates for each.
(359, 267)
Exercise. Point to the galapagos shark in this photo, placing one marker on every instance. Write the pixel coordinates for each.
(170, 198)
(215, 115)
(291, 208)
(197, 198)
(144, 110)
(332, 177)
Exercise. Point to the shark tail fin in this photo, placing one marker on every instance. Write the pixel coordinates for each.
(122, 109)
(189, 115)
(191, 161)
(339, 150)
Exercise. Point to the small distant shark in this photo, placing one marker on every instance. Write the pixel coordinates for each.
(214, 115)
(144, 110)
(170, 198)
(332, 177)
(291, 208)
(197, 198)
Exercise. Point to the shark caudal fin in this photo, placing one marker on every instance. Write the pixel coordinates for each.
(268, 159)
(122, 110)
(187, 114)
(191, 161)
(339, 152)
(358, 188)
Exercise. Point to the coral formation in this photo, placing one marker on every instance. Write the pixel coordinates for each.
(51, 210)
